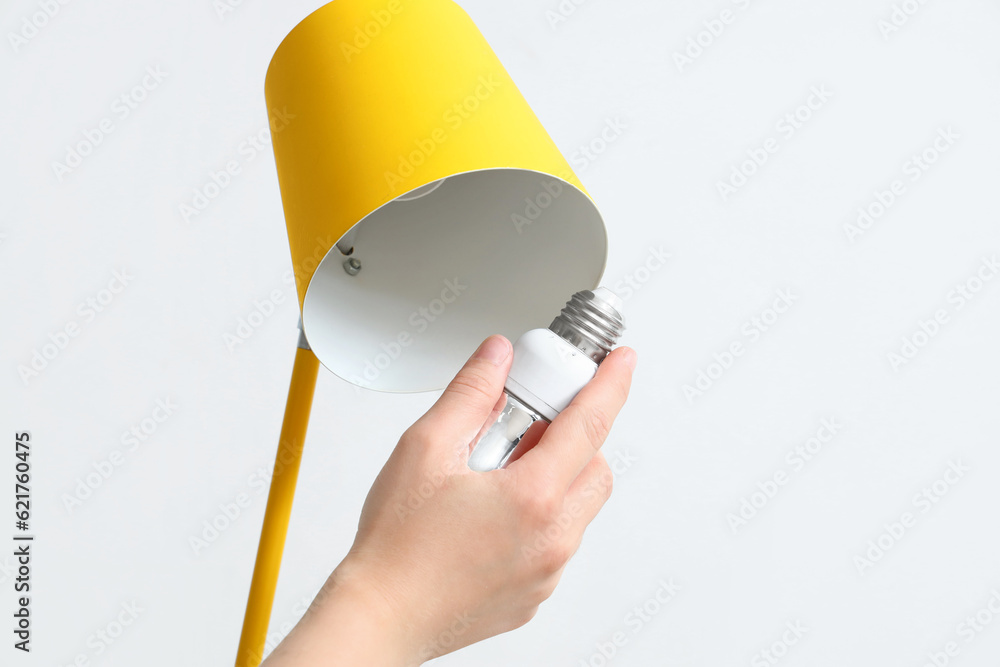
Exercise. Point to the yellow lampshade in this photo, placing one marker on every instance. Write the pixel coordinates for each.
(403, 146)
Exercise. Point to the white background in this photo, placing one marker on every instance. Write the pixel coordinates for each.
(694, 462)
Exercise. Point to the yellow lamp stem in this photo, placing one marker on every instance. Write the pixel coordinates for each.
(279, 509)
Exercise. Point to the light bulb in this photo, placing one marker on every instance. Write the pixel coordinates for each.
(549, 369)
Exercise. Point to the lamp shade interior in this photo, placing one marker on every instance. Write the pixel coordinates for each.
(483, 252)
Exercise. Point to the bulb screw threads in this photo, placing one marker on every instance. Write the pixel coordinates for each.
(592, 322)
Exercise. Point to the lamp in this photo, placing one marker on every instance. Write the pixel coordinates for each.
(426, 206)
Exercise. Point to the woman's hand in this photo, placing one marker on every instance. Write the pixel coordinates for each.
(444, 556)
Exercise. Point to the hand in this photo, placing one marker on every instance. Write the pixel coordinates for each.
(444, 556)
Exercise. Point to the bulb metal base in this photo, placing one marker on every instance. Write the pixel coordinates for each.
(592, 322)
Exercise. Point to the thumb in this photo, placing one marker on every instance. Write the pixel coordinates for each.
(462, 409)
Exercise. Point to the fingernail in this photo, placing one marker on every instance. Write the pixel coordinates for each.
(630, 357)
(494, 349)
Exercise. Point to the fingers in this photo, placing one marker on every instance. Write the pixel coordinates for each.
(578, 432)
(460, 412)
(585, 498)
(563, 529)
(591, 489)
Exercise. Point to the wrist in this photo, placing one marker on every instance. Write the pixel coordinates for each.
(350, 623)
